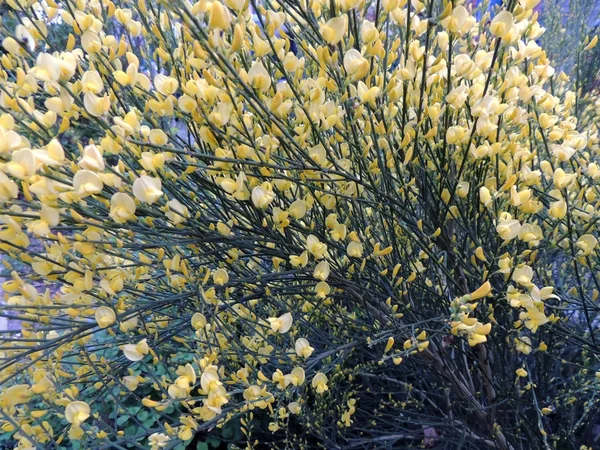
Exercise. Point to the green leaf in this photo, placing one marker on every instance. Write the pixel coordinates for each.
(133, 410)
(214, 442)
(122, 419)
(227, 432)
(201, 446)
(149, 422)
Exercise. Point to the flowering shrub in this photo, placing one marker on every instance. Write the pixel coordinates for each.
(335, 224)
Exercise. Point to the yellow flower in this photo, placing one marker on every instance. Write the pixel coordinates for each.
(105, 316)
(220, 18)
(136, 352)
(75, 433)
(152, 161)
(523, 275)
(562, 152)
(182, 386)
(10, 141)
(91, 82)
(456, 135)
(86, 182)
(147, 189)
(158, 137)
(389, 344)
(8, 188)
(53, 155)
(131, 382)
(299, 261)
(92, 159)
(209, 381)
(165, 85)
(534, 316)
(592, 44)
(531, 234)
(355, 65)
(502, 24)
(481, 292)
(281, 324)
(558, 209)
(485, 196)
(15, 395)
(368, 95)
(316, 247)
(187, 104)
(368, 31)
(91, 42)
(523, 345)
(129, 124)
(130, 77)
(319, 383)
(508, 229)
(129, 324)
(355, 249)
(459, 21)
(586, 244)
(13, 47)
(122, 208)
(177, 212)
(47, 67)
(321, 271)
(322, 289)
(294, 408)
(462, 190)
(295, 378)
(158, 441)
(96, 106)
(334, 30)
(303, 348)
(262, 196)
(198, 321)
(123, 16)
(22, 164)
(77, 412)
(220, 277)
(237, 5)
(562, 179)
(259, 77)
(476, 338)
(257, 397)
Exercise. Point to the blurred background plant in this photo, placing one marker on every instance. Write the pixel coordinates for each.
(568, 23)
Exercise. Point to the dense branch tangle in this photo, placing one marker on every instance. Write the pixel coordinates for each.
(219, 201)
